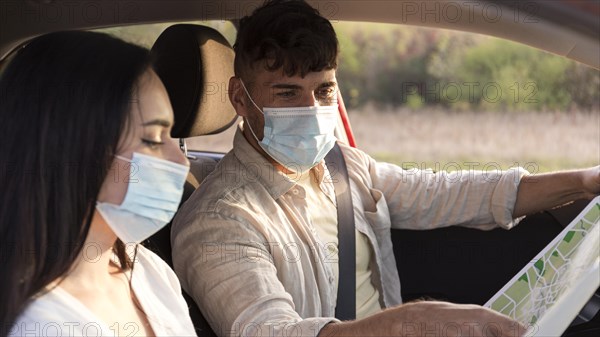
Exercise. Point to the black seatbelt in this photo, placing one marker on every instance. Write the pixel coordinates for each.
(345, 308)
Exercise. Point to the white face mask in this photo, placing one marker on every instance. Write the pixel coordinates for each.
(153, 194)
(297, 138)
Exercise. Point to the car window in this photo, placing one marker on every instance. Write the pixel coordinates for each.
(446, 100)
(431, 98)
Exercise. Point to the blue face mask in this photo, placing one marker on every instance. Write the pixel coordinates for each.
(153, 194)
(297, 138)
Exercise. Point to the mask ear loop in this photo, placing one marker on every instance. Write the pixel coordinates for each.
(123, 158)
(256, 106)
(250, 97)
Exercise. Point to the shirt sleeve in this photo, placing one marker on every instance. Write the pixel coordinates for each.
(422, 199)
(224, 265)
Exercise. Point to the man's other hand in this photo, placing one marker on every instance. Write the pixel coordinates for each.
(430, 318)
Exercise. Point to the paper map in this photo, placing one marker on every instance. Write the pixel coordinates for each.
(546, 282)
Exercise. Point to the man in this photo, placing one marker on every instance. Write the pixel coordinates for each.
(256, 245)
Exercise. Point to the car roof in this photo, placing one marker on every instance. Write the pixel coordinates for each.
(565, 27)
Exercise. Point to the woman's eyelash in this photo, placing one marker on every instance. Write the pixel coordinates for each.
(151, 142)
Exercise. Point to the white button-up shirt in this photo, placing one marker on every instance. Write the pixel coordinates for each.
(244, 250)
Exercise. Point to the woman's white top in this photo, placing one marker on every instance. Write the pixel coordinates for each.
(57, 313)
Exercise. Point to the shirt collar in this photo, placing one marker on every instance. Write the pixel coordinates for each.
(276, 182)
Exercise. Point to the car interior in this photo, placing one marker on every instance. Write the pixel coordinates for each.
(455, 264)
(460, 265)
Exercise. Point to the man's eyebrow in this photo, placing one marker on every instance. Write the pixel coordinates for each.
(328, 84)
(161, 122)
(296, 86)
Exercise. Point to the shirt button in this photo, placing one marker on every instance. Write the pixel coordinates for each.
(295, 192)
(330, 279)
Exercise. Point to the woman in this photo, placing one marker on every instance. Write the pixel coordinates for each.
(88, 170)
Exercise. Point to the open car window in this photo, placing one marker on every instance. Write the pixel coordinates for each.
(446, 100)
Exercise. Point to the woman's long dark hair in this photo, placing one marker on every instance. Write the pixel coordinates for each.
(64, 103)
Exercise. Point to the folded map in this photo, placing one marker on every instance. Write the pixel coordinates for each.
(548, 293)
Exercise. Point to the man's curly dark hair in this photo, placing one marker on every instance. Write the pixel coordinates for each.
(285, 34)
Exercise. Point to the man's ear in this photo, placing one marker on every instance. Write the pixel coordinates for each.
(237, 96)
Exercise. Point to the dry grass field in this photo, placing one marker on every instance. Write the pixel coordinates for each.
(539, 142)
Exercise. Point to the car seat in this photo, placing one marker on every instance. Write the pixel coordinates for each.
(195, 63)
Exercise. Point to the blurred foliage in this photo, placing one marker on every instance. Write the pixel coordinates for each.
(392, 65)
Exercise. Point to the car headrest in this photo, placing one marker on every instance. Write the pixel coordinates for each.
(195, 64)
